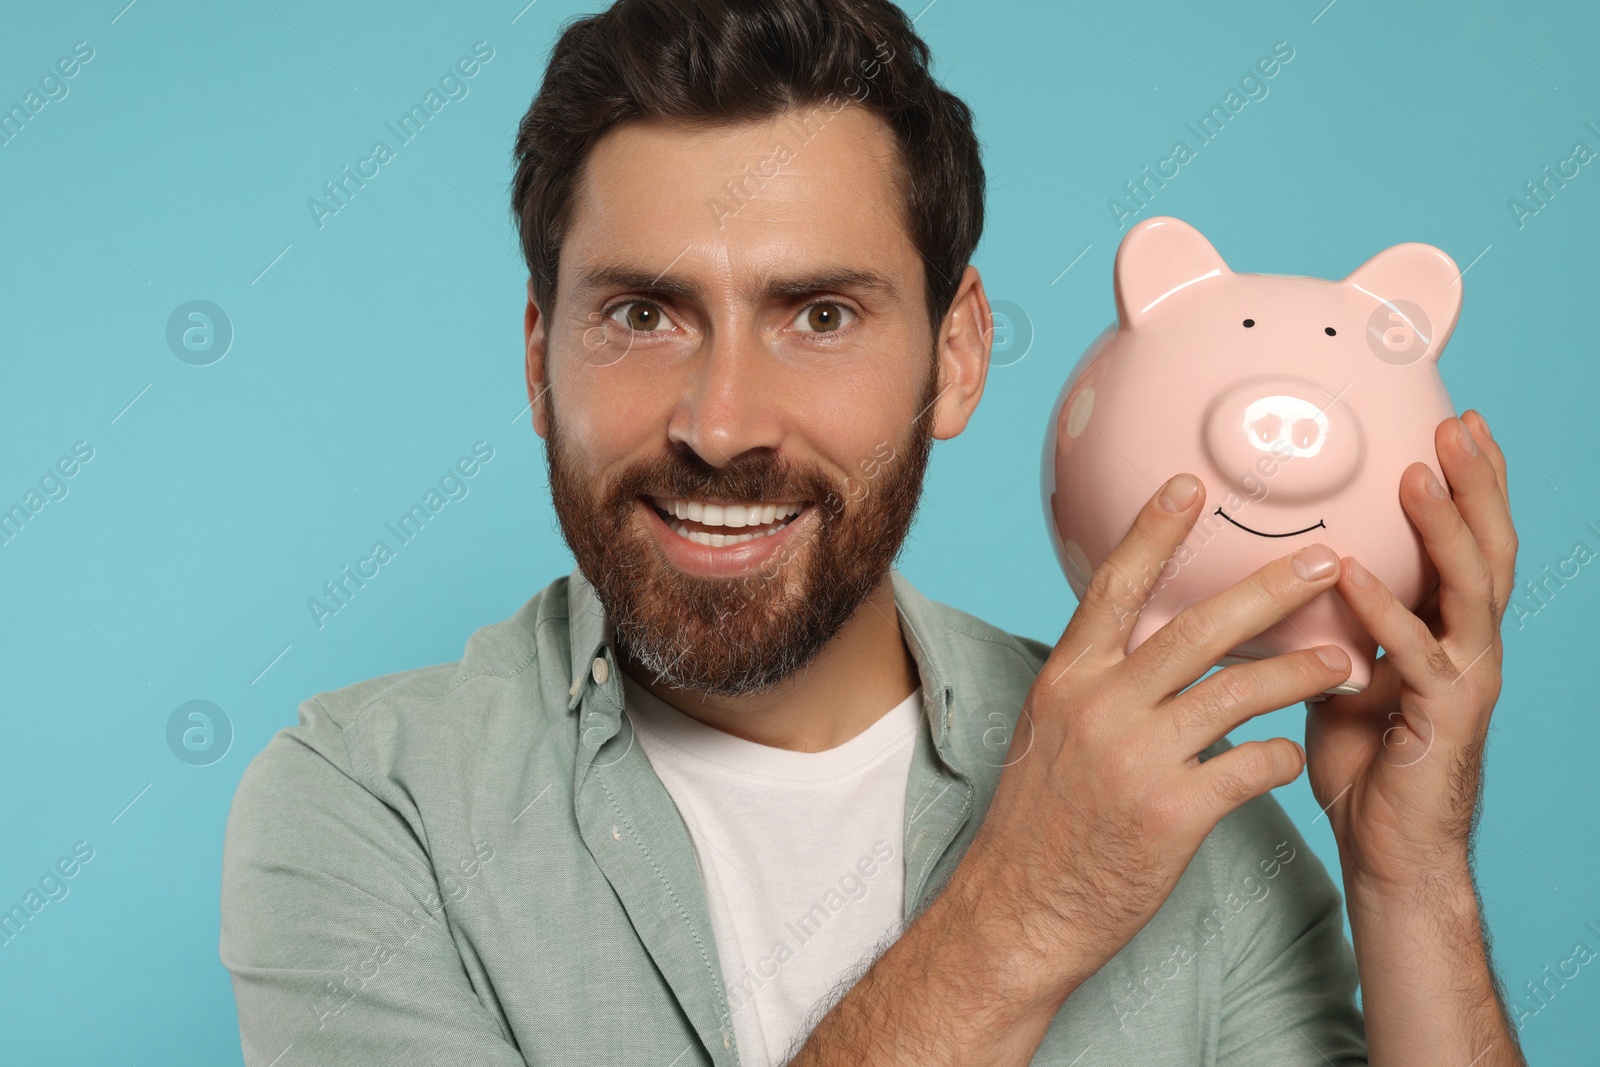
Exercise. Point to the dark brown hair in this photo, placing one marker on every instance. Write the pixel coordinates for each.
(721, 62)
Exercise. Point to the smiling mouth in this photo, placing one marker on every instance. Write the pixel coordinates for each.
(725, 524)
(1318, 525)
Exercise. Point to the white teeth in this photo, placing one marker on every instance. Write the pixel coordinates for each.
(719, 540)
(772, 517)
(731, 516)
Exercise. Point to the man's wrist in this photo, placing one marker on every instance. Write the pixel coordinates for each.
(1445, 890)
(1407, 931)
(1033, 970)
(957, 986)
(1406, 876)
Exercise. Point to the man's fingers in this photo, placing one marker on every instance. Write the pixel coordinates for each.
(1211, 708)
(1467, 578)
(1406, 639)
(1478, 490)
(1123, 583)
(1242, 773)
(1202, 633)
(1485, 438)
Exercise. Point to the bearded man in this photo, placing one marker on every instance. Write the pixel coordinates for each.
(733, 791)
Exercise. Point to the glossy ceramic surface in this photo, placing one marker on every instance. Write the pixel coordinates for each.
(1297, 401)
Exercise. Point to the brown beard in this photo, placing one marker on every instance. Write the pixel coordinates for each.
(730, 636)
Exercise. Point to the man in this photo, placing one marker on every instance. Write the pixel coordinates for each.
(733, 791)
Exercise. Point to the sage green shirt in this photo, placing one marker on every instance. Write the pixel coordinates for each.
(474, 864)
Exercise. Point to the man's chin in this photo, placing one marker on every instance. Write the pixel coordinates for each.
(724, 635)
(739, 656)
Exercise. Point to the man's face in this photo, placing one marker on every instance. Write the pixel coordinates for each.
(740, 389)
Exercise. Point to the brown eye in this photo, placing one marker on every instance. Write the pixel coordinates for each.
(641, 315)
(1249, 323)
(823, 317)
(1329, 330)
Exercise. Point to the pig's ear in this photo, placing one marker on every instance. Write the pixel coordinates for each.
(1159, 257)
(1415, 274)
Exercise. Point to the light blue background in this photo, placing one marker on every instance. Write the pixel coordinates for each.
(373, 352)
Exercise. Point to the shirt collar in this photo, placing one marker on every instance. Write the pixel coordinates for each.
(589, 632)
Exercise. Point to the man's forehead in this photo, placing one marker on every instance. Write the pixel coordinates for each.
(795, 196)
(822, 140)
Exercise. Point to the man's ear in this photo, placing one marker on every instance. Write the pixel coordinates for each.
(533, 338)
(963, 347)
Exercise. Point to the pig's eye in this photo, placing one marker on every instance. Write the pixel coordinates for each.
(1249, 323)
(1329, 330)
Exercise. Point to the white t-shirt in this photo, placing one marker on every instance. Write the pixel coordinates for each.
(799, 854)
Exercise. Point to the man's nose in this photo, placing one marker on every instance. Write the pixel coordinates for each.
(1289, 433)
(729, 398)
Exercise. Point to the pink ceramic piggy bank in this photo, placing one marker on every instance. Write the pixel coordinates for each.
(1298, 402)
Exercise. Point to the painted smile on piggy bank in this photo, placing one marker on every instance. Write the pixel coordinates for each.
(1298, 402)
(1319, 524)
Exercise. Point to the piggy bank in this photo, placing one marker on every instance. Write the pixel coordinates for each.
(1298, 402)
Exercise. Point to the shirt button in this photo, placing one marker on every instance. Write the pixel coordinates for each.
(600, 671)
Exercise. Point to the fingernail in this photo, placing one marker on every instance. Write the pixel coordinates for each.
(1315, 563)
(1180, 491)
(1333, 657)
(1302, 749)
(1359, 574)
(1465, 437)
(1434, 487)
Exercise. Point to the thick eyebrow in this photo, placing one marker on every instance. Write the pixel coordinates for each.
(769, 287)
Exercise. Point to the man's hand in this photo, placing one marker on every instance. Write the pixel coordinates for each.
(1398, 766)
(1087, 836)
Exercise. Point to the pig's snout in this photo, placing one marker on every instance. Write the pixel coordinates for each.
(1294, 438)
